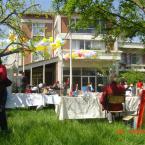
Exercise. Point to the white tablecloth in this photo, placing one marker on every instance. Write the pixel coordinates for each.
(88, 107)
(31, 99)
(80, 108)
(132, 103)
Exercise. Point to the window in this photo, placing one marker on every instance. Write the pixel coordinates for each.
(38, 29)
(81, 44)
(73, 23)
(88, 45)
(135, 59)
(98, 45)
(101, 26)
(37, 56)
(86, 72)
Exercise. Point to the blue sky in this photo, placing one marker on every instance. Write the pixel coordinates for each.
(45, 4)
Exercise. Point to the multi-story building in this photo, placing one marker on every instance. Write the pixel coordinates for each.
(84, 69)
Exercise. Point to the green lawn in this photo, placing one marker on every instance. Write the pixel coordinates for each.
(30, 127)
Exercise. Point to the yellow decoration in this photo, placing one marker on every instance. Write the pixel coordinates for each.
(12, 37)
(58, 45)
(50, 39)
(45, 40)
(53, 45)
(74, 55)
(23, 39)
(40, 48)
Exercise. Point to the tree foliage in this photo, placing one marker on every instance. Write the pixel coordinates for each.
(132, 76)
(124, 18)
(11, 12)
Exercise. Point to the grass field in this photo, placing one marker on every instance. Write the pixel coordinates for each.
(30, 127)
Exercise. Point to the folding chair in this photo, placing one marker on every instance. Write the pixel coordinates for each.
(115, 99)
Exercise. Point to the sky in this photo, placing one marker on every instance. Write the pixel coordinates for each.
(45, 4)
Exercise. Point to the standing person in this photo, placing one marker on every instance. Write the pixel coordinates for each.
(139, 87)
(66, 85)
(76, 89)
(24, 83)
(3, 96)
(90, 87)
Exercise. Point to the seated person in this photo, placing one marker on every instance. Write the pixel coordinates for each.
(34, 89)
(75, 90)
(45, 89)
(28, 89)
(56, 86)
(112, 89)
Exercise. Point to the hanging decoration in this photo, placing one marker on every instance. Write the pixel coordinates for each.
(49, 46)
(81, 54)
(42, 45)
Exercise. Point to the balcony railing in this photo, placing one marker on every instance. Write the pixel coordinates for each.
(134, 67)
(88, 30)
(130, 45)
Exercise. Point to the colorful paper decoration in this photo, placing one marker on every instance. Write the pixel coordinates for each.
(81, 54)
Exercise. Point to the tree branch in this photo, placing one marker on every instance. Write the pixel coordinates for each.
(8, 16)
(13, 43)
(137, 3)
(1, 7)
(123, 18)
(29, 8)
(20, 49)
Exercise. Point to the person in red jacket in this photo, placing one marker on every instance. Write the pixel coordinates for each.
(3, 97)
(141, 113)
(139, 87)
(112, 89)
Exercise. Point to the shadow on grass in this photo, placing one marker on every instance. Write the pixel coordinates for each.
(85, 121)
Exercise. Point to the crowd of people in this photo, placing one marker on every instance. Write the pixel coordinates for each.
(113, 88)
(130, 89)
(118, 89)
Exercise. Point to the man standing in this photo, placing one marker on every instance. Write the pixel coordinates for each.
(3, 97)
(24, 83)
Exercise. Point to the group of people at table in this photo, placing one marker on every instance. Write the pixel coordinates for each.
(115, 89)
(112, 89)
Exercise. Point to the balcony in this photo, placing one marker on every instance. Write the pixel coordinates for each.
(134, 67)
(131, 45)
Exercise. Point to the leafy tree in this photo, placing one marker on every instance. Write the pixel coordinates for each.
(125, 18)
(132, 76)
(11, 12)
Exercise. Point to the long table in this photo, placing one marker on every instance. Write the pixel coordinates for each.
(80, 107)
(31, 99)
(68, 107)
(84, 107)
